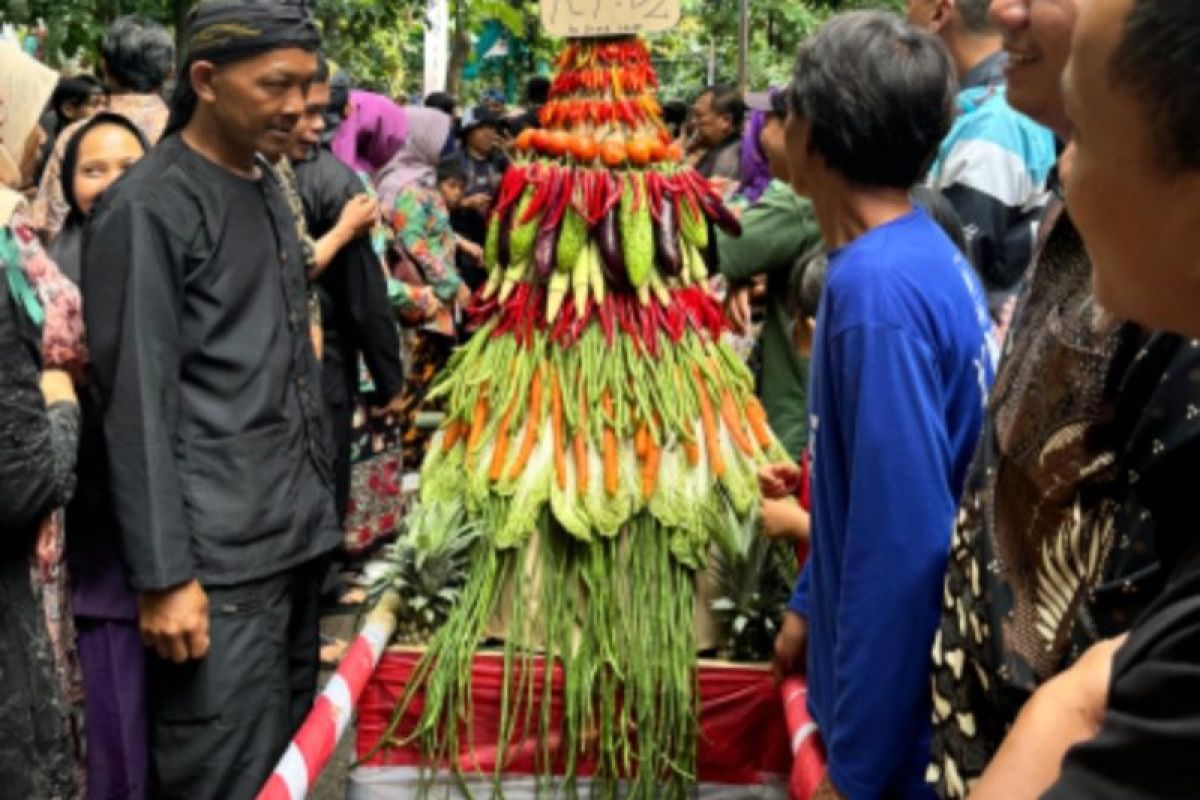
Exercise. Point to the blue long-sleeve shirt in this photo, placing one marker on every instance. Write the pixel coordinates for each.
(901, 365)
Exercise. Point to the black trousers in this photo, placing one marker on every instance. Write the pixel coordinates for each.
(218, 726)
(341, 423)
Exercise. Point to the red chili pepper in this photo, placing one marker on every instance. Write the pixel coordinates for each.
(546, 185)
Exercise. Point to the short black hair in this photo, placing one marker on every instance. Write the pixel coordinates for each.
(1158, 61)
(75, 89)
(138, 54)
(537, 90)
(442, 102)
(727, 101)
(806, 284)
(451, 168)
(878, 94)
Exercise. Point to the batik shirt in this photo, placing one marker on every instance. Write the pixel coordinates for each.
(425, 244)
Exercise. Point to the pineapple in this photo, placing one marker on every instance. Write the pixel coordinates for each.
(754, 588)
(428, 573)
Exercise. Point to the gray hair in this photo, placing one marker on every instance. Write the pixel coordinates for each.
(878, 94)
(138, 54)
(1158, 61)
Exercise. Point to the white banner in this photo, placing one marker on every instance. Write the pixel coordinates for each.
(569, 18)
(437, 45)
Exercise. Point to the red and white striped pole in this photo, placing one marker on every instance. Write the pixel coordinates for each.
(313, 745)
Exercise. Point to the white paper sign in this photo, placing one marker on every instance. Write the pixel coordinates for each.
(596, 18)
(437, 45)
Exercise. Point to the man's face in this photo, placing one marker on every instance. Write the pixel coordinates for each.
(312, 123)
(1139, 218)
(773, 141)
(713, 128)
(483, 140)
(259, 101)
(1037, 36)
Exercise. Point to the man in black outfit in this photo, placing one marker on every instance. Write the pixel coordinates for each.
(216, 433)
(355, 312)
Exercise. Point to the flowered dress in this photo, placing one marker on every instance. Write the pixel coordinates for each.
(426, 281)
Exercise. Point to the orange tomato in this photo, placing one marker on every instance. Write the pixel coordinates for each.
(538, 140)
(525, 139)
(675, 152)
(612, 152)
(658, 150)
(584, 148)
(639, 151)
(558, 142)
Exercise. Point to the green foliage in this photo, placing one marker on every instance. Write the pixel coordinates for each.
(381, 43)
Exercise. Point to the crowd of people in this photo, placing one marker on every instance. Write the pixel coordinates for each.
(966, 278)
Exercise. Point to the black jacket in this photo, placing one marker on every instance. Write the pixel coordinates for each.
(195, 304)
(355, 312)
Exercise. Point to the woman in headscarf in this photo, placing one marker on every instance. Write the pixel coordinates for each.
(429, 292)
(372, 133)
(96, 155)
(39, 423)
(111, 653)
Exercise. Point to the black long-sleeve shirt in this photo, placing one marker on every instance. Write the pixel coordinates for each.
(355, 312)
(194, 299)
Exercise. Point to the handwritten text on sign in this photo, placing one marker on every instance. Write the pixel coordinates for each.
(573, 18)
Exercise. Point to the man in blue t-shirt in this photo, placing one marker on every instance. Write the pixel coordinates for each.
(901, 365)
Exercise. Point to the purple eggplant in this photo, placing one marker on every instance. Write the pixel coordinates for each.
(612, 258)
(666, 237)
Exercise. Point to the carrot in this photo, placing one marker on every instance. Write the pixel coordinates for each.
(535, 414)
(500, 450)
(640, 441)
(650, 468)
(556, 426)
(711, 441)
(733, 422)
(581, 465)
(693, 453)
(455, 431)
(478, 423)
(757, 417)
(610, 447)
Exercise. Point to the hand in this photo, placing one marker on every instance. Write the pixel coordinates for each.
(784, 519)
(827, 791)
(777, 481)
(174, 622)
(49, 547)
(359, 216)
(57, 387)
(471, 250)
(791, 646)
(737, 309)
(722, 185)
(394, 408)
(479, 201)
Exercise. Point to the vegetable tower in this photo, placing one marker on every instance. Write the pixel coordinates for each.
(599, 441)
